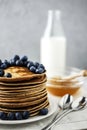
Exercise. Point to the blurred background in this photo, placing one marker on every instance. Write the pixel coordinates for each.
(22, 24)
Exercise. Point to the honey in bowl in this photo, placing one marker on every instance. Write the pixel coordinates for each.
(62, 89)
(59, 86)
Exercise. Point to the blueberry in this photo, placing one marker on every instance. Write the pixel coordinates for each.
(4, 66)
(41, 66)
(18, 116)
(1, 72)
(16, 57)
(32, 69)
(7, 63)
(10, 116)
(19, 63)
(12, 62)
(36, 64)
(30, 63)
(1, 113)
(25, 63)
(24, 58)
(3, 116)
(43, 111)
(8, 75)
(0, 61)
(25, 114)
(39, 71)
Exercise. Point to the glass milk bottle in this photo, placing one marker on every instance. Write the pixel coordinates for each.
(53, 44)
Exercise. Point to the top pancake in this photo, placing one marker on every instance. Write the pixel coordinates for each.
(19, 74)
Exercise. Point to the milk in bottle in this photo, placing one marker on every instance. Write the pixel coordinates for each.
(53, 44)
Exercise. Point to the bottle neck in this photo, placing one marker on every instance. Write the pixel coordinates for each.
(47, 32)
(54, 26)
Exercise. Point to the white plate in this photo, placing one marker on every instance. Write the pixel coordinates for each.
(52, 109)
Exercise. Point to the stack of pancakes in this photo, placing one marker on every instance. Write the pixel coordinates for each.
(25, 91)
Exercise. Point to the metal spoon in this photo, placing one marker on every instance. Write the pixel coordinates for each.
(78, 104)
(64, 103)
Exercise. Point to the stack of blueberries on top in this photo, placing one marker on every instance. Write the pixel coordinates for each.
(34, 67)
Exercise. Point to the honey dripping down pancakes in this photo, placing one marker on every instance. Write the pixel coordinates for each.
(22, 89)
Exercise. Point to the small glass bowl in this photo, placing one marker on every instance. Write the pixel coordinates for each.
(62, 82)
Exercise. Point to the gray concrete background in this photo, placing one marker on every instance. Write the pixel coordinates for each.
(22, 23)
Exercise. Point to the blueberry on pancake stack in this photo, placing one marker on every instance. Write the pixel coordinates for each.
(22, 89)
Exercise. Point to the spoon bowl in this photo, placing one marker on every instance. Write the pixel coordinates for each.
(65, 101)
(79, 103)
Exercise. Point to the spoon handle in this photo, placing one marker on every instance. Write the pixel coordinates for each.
(57, 115)
(58, 119)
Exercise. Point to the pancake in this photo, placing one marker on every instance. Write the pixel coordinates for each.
(9, 100)
(19, 74)
(32, 110)
(32, 81)
(21, 88)
(24, 91)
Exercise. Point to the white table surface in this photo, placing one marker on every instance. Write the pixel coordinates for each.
(73, 121)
